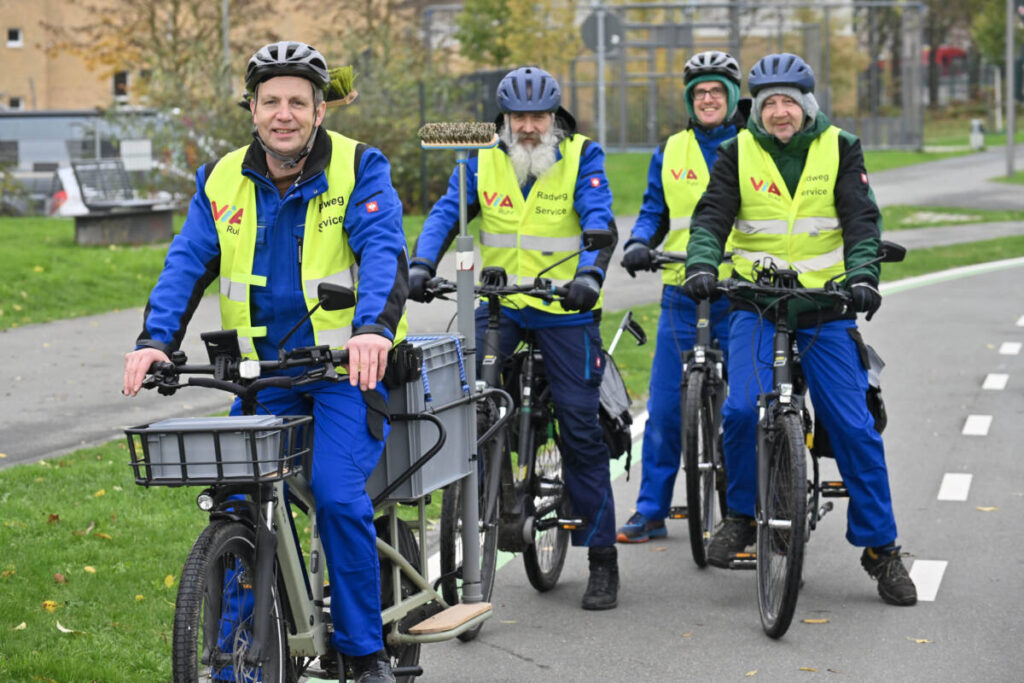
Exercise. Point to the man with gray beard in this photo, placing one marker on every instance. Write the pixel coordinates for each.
(536, 193)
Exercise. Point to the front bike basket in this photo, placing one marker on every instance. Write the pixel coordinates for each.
(210, 450)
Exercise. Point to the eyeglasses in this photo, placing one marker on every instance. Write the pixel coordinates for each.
(713, 93)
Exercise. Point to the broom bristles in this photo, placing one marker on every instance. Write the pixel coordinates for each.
(458, 134)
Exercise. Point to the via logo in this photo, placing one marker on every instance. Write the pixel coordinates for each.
(762, 186)
(499, 200)
(231, 215)
(688, 173)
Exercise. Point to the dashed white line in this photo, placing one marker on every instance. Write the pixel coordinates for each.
(1009, 348)
(955, 486)
(995, 381)
(927, 575)
(977, 425)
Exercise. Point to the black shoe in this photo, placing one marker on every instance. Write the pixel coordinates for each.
(733, 535)
(372, 668)
(894, 583)
(603, 586)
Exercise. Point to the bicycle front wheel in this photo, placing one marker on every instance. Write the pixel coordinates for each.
(213, 615)
(699, 444)
(545, 557)
(450, 539)
(782, 525)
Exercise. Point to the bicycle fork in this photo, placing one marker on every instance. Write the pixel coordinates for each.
(266, 550)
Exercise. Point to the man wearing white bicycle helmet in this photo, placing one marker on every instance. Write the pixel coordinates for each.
(676, 179)
(796, 188)
(298, 206)
(535, 194)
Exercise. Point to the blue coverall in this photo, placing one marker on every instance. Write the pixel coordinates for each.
(663, 433)
(345, 453)
(570, 343)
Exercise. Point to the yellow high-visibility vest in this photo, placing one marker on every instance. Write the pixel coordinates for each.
(802, 232)
(525, 235)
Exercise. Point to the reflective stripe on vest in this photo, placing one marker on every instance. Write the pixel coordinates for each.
(326, 255)
(525, 235)
(802, 233)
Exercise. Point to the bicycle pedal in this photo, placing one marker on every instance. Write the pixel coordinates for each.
(743, 561)
(834, 489)
(570, 524)
(678, 512)
(400, 671)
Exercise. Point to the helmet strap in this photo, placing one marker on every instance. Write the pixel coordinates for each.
(287, 162)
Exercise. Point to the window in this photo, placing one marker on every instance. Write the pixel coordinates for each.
(14, 37)
(15, 103)
(121, 86)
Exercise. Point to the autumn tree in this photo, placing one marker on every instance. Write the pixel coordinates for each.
(499, 33)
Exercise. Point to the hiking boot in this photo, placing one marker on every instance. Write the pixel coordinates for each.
(603, 586)
(733, 535)
(372, 668)
(894, 583)
(639, 529)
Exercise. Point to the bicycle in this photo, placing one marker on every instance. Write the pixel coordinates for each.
(251, 603)
(703, 393)
(523, 504)
(787, 503)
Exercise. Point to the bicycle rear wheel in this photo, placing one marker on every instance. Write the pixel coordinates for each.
(699, 445)
(450, 540)
(213, 615)
(782, 525)
(545, 557)
(401, 654)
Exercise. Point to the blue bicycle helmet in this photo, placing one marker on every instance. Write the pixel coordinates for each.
(529, 88)
(783, 69)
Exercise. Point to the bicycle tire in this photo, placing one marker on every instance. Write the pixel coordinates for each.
(782, 525)
(699, 445)
(401, 654)
(218, 572)
(450, 536)
(544, 558)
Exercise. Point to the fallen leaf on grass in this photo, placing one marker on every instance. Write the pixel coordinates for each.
(64, 629)
(100, 534)
(986, 509)
(6, 574)
(919, 641)
(49, 605)
(807, 668)
(59, 578)
(20, 627)
(140, 598)
(89, 569)
(101, 492)
(815, 621)
(54, 518)
(168, 581)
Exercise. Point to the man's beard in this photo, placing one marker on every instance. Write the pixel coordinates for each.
(532, 160)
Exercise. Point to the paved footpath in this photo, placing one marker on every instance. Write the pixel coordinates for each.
(61, 380)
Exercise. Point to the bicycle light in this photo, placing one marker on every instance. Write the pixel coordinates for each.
(205, 501)
(249, 369)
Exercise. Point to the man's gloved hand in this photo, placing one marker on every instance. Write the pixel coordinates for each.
(866, 297)
(636, 257)
(418, 276)
(700, 282)
(583, 293)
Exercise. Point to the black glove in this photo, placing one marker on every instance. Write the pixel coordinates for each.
(418, 276)
(583, 293)
(636, 257)
(866, 297)
(700, 283)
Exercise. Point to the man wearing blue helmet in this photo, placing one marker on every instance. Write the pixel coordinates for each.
(677, 176)
(797, 190)
(536, 193)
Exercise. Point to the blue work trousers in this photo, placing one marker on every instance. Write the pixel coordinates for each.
(663, 433)
(574, 363)
(344, 456)
(838, 383)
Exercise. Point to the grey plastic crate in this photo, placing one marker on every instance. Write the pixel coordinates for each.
(409, 440)
(235, 433)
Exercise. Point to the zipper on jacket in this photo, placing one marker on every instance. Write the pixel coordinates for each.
(298, 241)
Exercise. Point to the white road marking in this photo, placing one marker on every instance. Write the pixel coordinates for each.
(927, 575)
(1009, 348)
(955, 486)
(977, 425)
(995, 381)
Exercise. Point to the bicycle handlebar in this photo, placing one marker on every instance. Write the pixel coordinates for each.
(833, 293)
(541, 288)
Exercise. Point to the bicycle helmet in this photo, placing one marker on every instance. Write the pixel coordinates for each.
(529, 88)
(712, 63)
(783, 69)
(286, 58)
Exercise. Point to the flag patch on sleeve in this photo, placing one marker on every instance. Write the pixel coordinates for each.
(594, 182)
(371, 207)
